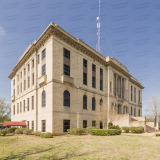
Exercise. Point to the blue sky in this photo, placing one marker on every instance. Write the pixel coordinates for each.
(130, 32)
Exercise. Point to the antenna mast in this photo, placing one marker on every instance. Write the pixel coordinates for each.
(98, 33)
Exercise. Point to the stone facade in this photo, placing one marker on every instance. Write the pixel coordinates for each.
(116, 90)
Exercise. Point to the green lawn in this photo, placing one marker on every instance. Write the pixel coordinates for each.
(80, 147)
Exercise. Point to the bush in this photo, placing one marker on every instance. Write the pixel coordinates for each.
(114, 127)
(37, 133)
(157, 135)
(126, 129)
(77, 131)
(12, 129)
(4, 132)
(19, 130)
(88, 129)
(105, 132)
(42, 135)
(28, 131)
(48, 135)
(137, 129)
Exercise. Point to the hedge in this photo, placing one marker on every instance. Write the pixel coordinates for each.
(89, 128)
(37, 133)
(157, 135)
(28, 131)
(3, 132)
(46, 135)
(126, 129)
(12, 129)
(77, 131)
(114, 127)
(105, 132)
(137, 129)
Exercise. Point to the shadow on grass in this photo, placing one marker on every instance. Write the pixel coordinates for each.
(24, 154)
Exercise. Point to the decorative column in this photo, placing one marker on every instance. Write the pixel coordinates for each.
(121, 88)
(116, 85)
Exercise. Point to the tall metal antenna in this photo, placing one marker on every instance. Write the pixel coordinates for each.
(98, 33)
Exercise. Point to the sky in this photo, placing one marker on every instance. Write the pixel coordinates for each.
(130, 32)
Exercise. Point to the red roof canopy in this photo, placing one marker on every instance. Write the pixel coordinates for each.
(11, 123)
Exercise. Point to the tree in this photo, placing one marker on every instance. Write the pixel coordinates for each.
(154, 106)
(5, 110)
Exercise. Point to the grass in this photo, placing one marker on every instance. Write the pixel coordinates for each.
(86, 147)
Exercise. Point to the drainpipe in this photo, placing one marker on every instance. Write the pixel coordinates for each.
(36, 90)
(108, 97)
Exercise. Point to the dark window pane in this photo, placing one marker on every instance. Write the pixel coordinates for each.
(66, 53)
(93, 123)
(93, 82)
(66, 70)
(66, 98)
(101, 102)
(93, 67)
(84, 102)
(84, 63)
(85, 78)
(84, 124)
(43, 69)
(43, 99)
(101, 85)
(44, 54)
(93, 103)
(66, 125)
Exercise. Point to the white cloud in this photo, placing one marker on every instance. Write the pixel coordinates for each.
(2, 31)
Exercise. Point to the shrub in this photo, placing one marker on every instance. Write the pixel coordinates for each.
(12, 129)
(37, 133)
(28, 131)
(137, 129)
(19, 130)
(126, 129)
(157, 135)
(114, 127)
(105, 132)
(48, 135)
(4, 132)
(77, 131)
(42, 135)
(88, 129)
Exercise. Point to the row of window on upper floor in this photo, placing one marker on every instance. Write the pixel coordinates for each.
(139, 94)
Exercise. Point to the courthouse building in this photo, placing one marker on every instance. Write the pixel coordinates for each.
(60, 82)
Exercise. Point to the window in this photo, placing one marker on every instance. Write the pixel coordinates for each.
(24, 105)
(44, 69)
(93, 103)
(43, 125)
(32, 102)
(28, 124)
(111, 87)
(33, 78)
(139, 113)
(135, 112)
(33, 125)
(38, 59)
(101, 79)
(20, 107)
(14, 92)
(93, 123)
(134, 94)
(18, 78)
(28, 67)
(101, 125)
(33, 63)
(43, 99)
(43, 54)
(24, 84)
(66, 125)
(66, 97)
(131, 93)
(84, 124)
(139, 96)
(14, 110)
(21, 87)
(84, 71)
(28, 82)
(28, 104)
(101, 102)
(93, 76)
(21, 74)
(17, 108)
(18, 89)
(131, 110)
(66, 55)
(24, 71)
(84, 102)
(14, 82)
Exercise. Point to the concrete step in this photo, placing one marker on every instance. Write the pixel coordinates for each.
(150, 129)
(133, 119)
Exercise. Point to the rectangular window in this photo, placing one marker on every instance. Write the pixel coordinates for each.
(33, 63)
(38, 59)
(131, 93)
(32, 102)
(134, 94)
(28, 104)
(14, 92)
(66, 67)
(24, 71)
(21, 87)
(111, 87)
(135, 112)
(33, 125)
(17, 108)
(32, 78)
(84, 71)
(44, 69)
(28, 82)
(28, 67)
(14, 110)
(139, 96)
(43, 125)
(24, 84)
(93, 76)
(14, 82)
(43, 54)
(18, 89)
(101, 79)
(84, 124)
(24, 105)
(93, 123)
(28, 124)
(66, 125)
(18, 78)
(21, 74)
(20, 107)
